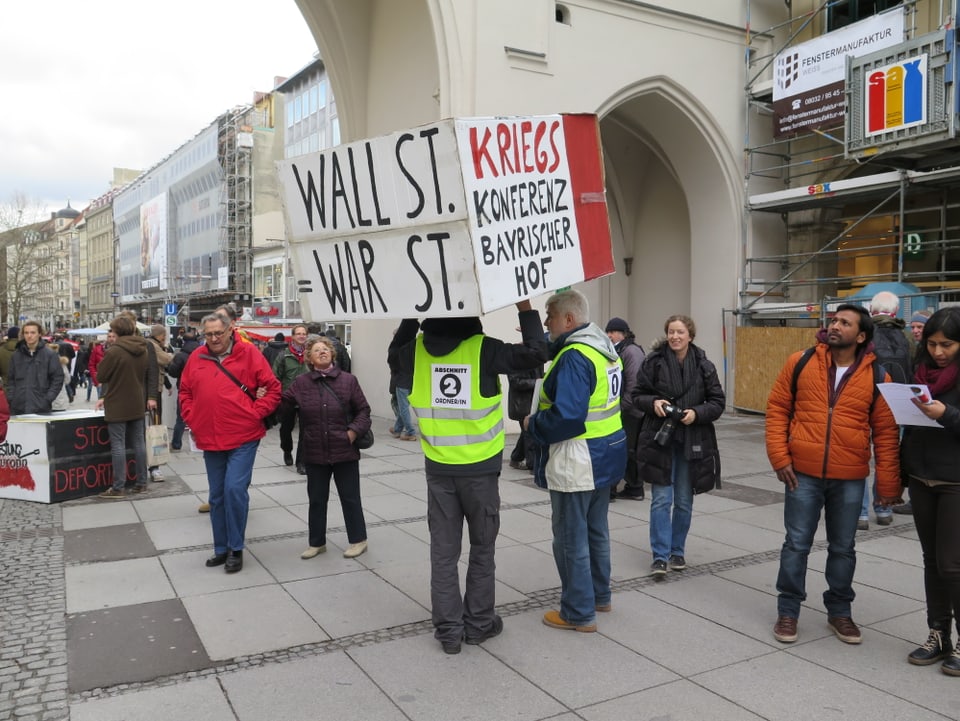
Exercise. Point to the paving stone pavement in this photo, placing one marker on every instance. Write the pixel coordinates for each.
(108, 612)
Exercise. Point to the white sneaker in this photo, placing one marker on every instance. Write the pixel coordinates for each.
(156, 476)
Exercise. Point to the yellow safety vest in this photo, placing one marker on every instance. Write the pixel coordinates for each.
(603, 412)
(458, 425)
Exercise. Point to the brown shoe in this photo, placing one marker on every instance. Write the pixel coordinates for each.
(203, 508)
(553, 619)
(407, 437)
(785, 629)
(844, 628)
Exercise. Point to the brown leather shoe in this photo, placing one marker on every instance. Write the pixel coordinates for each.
(844, 628)
(785, 629)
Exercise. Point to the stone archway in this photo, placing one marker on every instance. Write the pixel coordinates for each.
(675, 208)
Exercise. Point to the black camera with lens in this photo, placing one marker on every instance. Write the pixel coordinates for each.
(672, 416)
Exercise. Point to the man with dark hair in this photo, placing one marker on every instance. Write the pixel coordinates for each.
(35, 377)
(124, 372)
(289, 365)
(820, 424)
(274, 348)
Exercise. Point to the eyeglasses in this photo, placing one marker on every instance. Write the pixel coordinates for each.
(215, 336)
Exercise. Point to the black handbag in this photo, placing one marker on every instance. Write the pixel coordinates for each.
(366, 440)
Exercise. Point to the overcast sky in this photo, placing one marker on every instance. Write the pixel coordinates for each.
(113, 83)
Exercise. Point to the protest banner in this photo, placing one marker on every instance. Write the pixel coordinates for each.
(459, 217)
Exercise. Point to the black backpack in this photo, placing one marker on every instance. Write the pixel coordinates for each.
(879, 374)
(893, 352)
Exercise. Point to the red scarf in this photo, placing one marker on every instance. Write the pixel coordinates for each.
(938, 380)
(297, 352)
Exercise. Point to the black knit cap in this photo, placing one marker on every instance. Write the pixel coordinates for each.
(617, 324)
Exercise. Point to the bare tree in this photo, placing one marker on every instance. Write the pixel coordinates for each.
(26, 260)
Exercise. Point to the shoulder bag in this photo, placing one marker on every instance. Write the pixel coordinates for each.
(366, 440)
(268, 422)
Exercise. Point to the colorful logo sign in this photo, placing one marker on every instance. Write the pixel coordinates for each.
(896, 96)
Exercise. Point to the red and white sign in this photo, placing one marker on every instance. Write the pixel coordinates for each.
(459, 217)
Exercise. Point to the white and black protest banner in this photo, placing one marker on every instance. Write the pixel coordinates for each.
(459, 217)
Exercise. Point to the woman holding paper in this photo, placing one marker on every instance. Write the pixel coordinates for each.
(930, 461)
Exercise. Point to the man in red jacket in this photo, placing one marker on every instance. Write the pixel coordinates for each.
(819, 429)
(226, 390)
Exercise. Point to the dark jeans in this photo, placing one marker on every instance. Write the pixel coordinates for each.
(450, 499)
(523, 450)
(121, 432)
(346, 475)
(936, 513)
(632, 483)
(286, 436)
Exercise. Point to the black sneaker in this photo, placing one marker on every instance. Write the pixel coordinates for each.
(677, 563)
(951, 666)
(494, 630)
(658, 569)
(936, 646)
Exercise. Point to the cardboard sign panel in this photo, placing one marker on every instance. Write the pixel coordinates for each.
(459, 217)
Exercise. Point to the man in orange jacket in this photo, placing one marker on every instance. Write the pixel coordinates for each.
(818, 433)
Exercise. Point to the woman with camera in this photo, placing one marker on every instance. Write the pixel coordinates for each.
(679, 392)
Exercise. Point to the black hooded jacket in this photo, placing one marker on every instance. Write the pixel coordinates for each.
(443, 335)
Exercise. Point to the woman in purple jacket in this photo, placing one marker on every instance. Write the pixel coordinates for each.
(333, 414)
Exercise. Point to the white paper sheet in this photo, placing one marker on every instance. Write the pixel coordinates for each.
(899, 396)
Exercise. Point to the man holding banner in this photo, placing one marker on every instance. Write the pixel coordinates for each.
(457, 398)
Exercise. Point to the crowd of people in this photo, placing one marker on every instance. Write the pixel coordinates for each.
(594, 411)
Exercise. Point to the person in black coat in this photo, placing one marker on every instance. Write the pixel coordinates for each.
(35, 377)
(188, 344)
(679, 392)
(274, 348)
(930, 461)
(334, 413)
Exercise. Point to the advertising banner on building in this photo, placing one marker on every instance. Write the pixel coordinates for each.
(809, 83)
(153, 243)
(459, 217)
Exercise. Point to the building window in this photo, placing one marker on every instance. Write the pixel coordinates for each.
(845, 12)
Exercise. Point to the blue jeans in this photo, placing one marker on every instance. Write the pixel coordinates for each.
(668, 532)
(120, 432)
(840, 501)
(581, 548)
(879, 510)
(403, 423)
(229, 474)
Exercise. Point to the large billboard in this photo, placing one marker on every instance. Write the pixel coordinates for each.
(459, 217)
(153, 243)
(809, 83)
